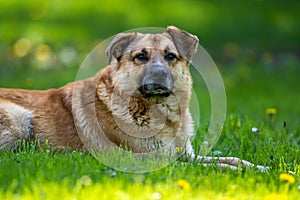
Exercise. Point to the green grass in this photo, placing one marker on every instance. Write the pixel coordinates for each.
(256, 47)
(38, 173)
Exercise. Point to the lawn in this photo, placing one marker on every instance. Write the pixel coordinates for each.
(260, 73)
(37, 173)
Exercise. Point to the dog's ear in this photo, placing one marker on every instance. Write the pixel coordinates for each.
(118, 45)
(186, 43)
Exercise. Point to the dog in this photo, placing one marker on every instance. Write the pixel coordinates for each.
(138, 102)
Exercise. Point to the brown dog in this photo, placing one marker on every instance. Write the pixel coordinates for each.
(138, 102)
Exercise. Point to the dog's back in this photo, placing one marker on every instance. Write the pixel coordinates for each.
(27, 114)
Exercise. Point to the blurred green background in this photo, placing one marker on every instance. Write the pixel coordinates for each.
(255, 44)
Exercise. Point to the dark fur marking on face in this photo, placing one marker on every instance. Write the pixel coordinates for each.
(167, 48)
(119, 58)
(144, 51)
(155, 40)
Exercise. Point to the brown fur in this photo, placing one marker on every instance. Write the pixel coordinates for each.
(110, 109)
(106, 107)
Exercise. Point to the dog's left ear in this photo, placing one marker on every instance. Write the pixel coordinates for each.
(186, 43)
(119, 44)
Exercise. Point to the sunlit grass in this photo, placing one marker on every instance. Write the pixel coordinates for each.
(36, 172)
(192, 182)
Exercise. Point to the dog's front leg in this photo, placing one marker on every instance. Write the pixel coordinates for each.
(225, 162)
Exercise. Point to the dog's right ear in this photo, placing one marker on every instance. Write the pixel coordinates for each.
(118, 45)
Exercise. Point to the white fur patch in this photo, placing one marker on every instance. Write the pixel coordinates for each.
(16, 123)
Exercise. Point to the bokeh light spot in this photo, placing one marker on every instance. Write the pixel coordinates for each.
(22, 47)
(43, 52)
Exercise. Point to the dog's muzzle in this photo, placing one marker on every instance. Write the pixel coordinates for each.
(156, 80)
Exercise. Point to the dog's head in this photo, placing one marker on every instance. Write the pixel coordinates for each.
(152, 65)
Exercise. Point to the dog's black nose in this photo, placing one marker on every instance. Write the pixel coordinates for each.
(158, 73)
(156, 81)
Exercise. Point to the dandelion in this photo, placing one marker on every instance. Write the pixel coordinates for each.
(184, 185)
(287, 178)
(271, 111)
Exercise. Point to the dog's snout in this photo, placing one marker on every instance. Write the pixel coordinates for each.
(156, 80)
(158, 73)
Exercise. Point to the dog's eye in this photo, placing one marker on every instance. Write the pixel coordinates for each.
(141, 57)
(170, 57)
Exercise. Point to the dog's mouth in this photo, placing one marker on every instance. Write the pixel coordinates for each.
(154, 90)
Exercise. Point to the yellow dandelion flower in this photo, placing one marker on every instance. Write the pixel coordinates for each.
(287, 178)
(276, 197)
(184, 185)
(271, 111)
